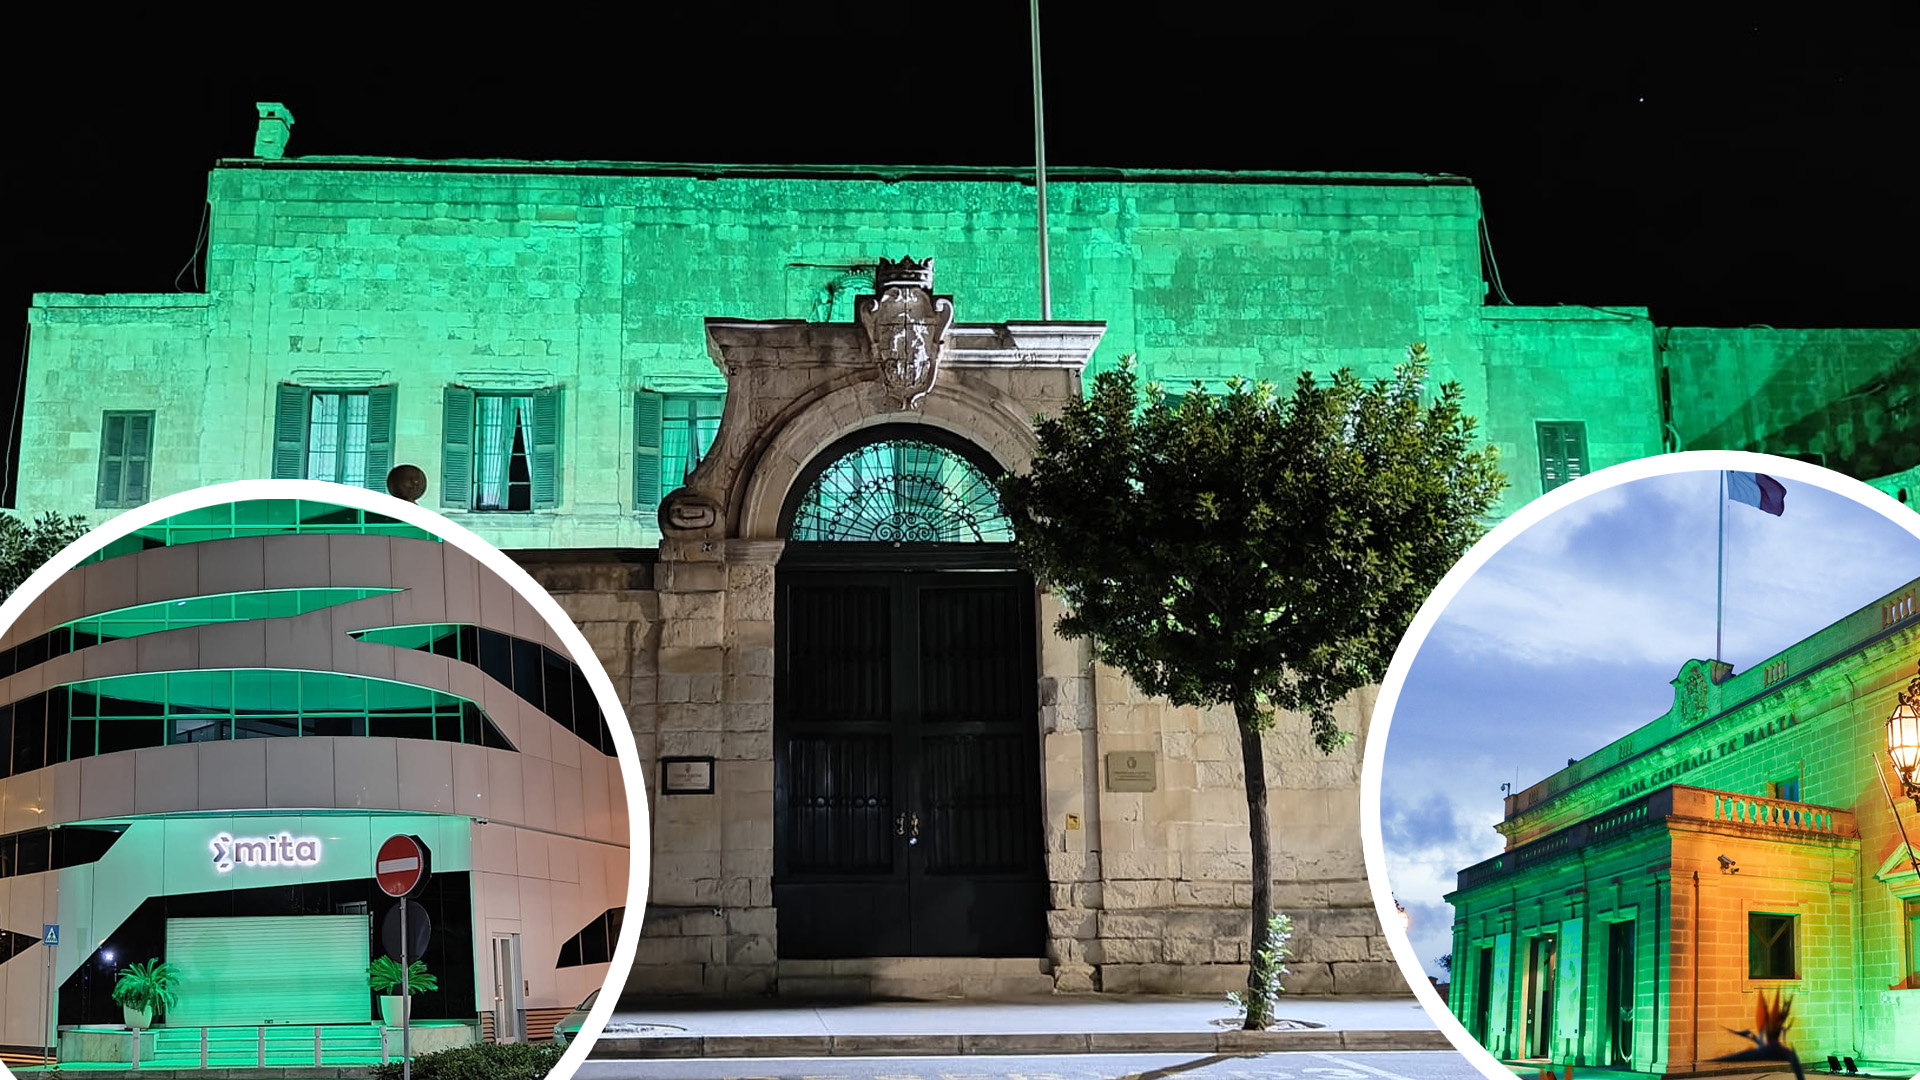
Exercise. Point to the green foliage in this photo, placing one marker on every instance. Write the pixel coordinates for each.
(1250, 549)
(26, 546)
(153, 985)
(383, 976)
(486, 1061)
(1262, 995)
(1446, 963)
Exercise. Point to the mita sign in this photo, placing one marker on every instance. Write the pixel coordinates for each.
(1724, 748)
(281, 850)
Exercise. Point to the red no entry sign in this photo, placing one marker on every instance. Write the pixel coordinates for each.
(399, 865)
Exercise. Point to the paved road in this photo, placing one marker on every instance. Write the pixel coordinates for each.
(1340, 1066)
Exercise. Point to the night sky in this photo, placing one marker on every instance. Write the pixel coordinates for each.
(1570, 636)
(1723, 172)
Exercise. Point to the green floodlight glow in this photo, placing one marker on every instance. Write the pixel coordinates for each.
(258, 517)
(131, 712)
(222, 608)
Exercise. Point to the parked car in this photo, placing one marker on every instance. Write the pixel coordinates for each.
(568, 1030)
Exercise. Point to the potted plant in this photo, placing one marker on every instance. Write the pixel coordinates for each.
(383, 977)
(145, 989)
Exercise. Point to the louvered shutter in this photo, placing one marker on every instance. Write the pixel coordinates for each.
(380, 405)
(456, 444)
(290, 432)
(1563, 452)
(113, 437)
(646, 451)
(139, 455)
(545, 456)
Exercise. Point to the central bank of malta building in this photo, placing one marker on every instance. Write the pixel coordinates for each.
(1739, 845)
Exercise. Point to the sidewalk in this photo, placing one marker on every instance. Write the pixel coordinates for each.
(1047, 1025)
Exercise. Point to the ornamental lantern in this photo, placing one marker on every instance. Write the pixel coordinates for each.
(1903, 739)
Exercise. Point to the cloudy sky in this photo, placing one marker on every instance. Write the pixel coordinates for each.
(1569, 636)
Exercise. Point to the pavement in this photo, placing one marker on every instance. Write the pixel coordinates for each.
(1093, 1024)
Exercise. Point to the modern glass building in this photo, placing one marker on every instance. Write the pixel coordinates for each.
(209, 728)
(1740, 845)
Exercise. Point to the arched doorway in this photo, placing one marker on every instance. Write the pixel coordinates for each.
(907, 793)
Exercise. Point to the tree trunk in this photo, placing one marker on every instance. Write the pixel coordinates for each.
(1253, 761)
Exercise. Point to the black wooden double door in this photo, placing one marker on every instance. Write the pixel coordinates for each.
(906, 765)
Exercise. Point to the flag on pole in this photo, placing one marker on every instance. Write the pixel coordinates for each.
(1758, 490)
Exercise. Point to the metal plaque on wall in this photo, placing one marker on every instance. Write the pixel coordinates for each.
(1130, 770)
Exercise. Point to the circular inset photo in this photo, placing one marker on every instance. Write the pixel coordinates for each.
(298, 775)
(1643, 778)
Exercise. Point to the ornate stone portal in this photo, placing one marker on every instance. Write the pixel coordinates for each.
(1144, 891)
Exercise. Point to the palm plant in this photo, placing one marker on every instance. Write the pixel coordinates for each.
(383, 976)
(148, 987)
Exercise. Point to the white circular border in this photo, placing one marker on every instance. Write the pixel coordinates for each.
(1430, 611)
(639, 835)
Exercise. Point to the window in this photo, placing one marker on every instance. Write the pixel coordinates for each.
(1563, 452)
(345, 436)
(126, 453)
(501, 450)
(1913, 944)
(1770, 946)
(671, 434)
(1786, 788)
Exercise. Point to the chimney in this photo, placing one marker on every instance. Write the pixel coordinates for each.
(276, 126)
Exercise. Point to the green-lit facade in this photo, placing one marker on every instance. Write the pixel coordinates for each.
(1741, 844)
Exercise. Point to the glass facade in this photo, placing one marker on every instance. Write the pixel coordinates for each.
(130, 712)
(173, 615)
(539, 676)
(257, 517)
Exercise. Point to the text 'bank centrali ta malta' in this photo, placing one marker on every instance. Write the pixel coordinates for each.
(211, 725)
(1739, 845)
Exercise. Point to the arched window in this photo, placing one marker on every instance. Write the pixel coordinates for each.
(904, 489)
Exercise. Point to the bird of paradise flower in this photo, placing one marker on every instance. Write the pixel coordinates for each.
(1771, 1020)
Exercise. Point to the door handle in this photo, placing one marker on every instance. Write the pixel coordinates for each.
(907, 824)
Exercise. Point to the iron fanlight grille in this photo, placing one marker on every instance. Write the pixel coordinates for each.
(902, 491)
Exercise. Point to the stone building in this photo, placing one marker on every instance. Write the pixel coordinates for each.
(1739, 845)
(577, 352)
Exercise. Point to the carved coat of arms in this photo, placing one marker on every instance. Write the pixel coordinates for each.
(906, 327)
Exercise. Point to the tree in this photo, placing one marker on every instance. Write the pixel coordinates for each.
(1250, 550)
(25, 546)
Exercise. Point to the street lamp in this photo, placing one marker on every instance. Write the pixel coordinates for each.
(1903, 740)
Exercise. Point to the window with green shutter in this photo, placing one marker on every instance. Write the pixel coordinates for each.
(1563, 451)
(672, 433)
(126, 456)
(341, 435)
(501, 449)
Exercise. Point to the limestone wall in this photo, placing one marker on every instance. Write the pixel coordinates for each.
(1842, 397)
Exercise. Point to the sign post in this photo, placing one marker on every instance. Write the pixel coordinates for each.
(50, 937)
(400, 868)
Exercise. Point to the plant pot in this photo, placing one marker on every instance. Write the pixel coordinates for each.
(393, 1009)
(137, 1019)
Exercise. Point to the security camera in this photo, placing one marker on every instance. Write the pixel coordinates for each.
(1727, 866)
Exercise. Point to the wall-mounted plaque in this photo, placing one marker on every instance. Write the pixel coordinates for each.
(686, 776)
(1130, 770)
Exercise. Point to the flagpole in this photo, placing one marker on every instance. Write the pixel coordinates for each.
(1720, 578)
(1040, 166)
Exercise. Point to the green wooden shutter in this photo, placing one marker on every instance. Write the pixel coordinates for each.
(1563, 452)
(380, 403)
(113, 441)
(290, 432)
(647, 407)
(139, 457)
(544, 456)
(456, 445)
